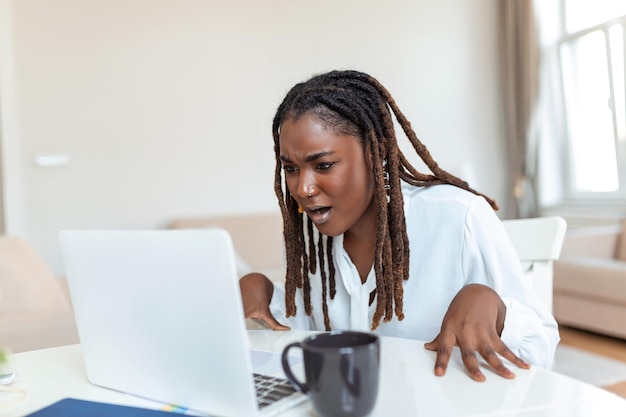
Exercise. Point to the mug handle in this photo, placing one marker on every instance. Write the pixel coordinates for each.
(302, 387)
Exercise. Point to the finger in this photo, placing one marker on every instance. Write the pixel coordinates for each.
(273, 323)
(432, 345)
(471, 364)
(508, 354)
(492, 358)
(444, 348)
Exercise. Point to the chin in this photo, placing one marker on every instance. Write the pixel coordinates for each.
(329, 231)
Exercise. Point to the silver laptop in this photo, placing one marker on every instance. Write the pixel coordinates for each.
(160, 316)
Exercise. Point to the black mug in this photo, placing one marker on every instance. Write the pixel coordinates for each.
(341, 369)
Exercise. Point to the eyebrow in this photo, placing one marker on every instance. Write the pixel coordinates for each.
(309, 158)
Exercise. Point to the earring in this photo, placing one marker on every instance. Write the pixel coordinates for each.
(300, 209)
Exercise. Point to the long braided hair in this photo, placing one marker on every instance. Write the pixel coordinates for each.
(356, 104)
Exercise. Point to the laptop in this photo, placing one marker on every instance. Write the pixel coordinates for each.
(160, 316)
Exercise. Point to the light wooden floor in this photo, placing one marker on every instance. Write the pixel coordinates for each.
(599, 344)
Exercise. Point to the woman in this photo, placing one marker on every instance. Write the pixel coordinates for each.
(373, 244)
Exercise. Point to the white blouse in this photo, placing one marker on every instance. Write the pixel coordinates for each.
(455, 239)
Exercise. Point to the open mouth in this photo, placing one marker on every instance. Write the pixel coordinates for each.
(319, 215)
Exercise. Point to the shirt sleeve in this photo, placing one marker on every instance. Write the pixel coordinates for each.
(489, 258)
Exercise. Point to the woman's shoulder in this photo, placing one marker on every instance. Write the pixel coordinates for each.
(443, 194)
(444, 209)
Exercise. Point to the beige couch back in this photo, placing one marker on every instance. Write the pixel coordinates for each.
(258, 238)
(595, 242)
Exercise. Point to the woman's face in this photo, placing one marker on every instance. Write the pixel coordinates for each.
(328, 174)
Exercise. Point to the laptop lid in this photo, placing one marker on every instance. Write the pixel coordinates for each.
(159, 315)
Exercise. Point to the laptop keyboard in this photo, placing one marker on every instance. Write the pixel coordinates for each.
(270, 389)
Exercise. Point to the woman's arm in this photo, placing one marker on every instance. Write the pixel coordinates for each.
(256, 293)
(506, 307)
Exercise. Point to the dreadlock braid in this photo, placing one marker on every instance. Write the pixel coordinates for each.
(355, 104)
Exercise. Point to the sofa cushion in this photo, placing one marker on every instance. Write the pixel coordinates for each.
(620, 253)
(26, 282)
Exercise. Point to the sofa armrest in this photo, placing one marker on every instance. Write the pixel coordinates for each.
(26, 283)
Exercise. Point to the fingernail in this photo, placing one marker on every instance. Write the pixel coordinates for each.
(478, 376)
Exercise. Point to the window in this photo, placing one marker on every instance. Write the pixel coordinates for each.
(591, 53)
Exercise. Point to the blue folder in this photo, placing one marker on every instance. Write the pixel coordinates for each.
(71, 407)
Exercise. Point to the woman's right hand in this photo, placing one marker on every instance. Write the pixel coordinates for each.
(256, 294)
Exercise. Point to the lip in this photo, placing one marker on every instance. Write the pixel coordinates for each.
(318, 217)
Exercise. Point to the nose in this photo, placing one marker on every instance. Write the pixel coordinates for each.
(306, 184)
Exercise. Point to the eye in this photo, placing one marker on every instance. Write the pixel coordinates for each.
(289, 169)
(324, 165)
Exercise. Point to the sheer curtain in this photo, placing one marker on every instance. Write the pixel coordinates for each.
(520, 74)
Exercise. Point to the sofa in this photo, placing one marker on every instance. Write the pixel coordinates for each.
(590, 280)
(35, 308)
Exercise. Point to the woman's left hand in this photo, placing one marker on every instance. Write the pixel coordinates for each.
(474, 322)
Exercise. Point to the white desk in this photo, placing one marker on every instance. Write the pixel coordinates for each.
(408, 386)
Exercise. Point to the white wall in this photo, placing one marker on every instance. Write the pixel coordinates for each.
(165, 106)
